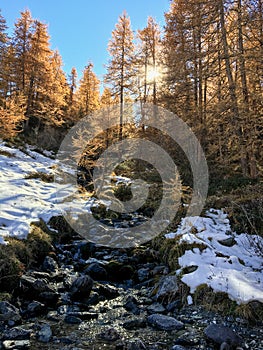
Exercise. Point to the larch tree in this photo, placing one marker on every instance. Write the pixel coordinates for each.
(120, 69)
(3, 54)
(11, 103)
(148, 60)
(88, 93)
(22, 43)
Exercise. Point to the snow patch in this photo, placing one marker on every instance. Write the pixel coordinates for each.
(236, 270)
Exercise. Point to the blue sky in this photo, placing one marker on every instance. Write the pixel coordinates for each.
(81, 29)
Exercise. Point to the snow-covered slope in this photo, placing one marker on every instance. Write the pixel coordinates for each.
(22, 200)
(236, 269)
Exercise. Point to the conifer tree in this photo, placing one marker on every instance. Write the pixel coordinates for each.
(3, 58)
(88, 93)
(120, 69)
(148, 60)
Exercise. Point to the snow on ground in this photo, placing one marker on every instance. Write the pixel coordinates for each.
(22, 200)
(236, 270)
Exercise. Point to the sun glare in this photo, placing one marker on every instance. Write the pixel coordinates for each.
(153, 74)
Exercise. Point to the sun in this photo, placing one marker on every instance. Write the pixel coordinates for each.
(153, 74)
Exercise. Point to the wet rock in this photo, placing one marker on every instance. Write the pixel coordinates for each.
(168, 287)
(178, 347)
(220, 334)
(16, 333)
(135, 323)
(49, 264)
(81, 287)
(16, 344)
(110, 334)
(97, 272)
(165, 323)
(44, 333)
(9, 313)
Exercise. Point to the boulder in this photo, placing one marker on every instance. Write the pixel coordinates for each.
(222, 334)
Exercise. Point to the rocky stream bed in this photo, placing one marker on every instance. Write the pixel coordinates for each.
(85, 296)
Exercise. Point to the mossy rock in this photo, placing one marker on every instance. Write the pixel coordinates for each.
(252, 311)
(11, 269)
(39, 243)
(171, 249)
(215, 301)
(64, 231)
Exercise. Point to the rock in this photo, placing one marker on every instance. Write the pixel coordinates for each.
(178, 347)
(135, 323)
(174, 305)
(109, 292)
(49, 264)
(156, 308)
(165, 323)
(131, 305)
(168, 287)
(110, 334)
(221, 334)
(81, 287)
(97, 272)
(31, 287)
(49, 298)
(35, 308)
(143, 274)
(16, 333)
(45, 333)
(16, 344)
(72, 319)
(9, 313)
(228, 242)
